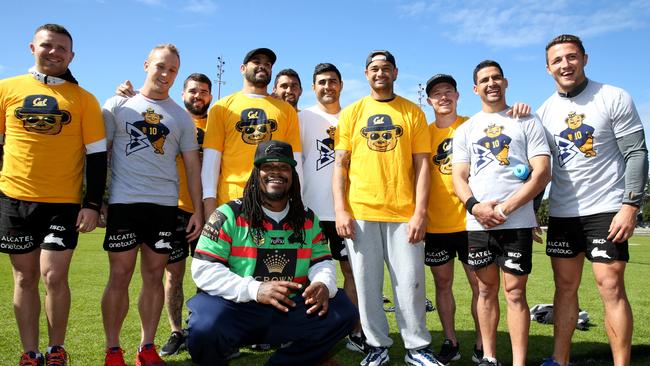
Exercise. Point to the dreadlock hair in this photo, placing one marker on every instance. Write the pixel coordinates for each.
(252, 208)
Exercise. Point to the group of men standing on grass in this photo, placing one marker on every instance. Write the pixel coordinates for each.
(274, 195)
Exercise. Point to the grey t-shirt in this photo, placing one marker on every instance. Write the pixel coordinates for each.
(493, 144)
(147, 135)
(588, 167)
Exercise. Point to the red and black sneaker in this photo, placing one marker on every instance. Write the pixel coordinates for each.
(31, 359)
(147, 356)
(57, 356)
(114, 357)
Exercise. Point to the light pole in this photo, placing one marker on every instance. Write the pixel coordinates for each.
(421, 95)
(220, 71)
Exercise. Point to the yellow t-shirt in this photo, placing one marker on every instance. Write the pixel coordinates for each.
(446, 213)
(184, 199)
(382, 138)
(236, 124)
(46, 128)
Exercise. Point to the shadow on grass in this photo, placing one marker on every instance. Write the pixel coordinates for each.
(583, 353)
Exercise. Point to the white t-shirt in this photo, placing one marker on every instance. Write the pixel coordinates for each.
(493, 144)
(147, 136)
(588, 167)
(317, 137)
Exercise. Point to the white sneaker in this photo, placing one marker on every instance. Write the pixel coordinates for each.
(377, 356)
(421, 357)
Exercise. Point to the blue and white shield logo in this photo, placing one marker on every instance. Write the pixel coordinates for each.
(566, 150)
(484, 157)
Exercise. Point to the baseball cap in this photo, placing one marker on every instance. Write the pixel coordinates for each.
(274, 151)
(440, 78)
(380, 55)
(264, 51)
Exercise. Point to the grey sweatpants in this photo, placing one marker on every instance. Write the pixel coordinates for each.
(376, 243)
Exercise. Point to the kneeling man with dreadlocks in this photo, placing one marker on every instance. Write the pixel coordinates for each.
(266, 273)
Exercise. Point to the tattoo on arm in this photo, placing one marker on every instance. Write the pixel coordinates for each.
(342, 159)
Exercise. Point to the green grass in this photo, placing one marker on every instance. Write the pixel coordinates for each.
(85, 339)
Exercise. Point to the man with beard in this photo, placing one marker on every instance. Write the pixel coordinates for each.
(50, 127)
(287, 87)
(265, 273)
(148, 132)
(237, 123)
(489, 151)
(382, 153)
(197, 95)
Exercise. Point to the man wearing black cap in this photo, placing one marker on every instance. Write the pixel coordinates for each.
(50, 128)
(382, 150)
(446, 236)
(237, 123)
(266, 273)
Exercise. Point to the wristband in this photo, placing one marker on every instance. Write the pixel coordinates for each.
(470, 203)
(91, 205)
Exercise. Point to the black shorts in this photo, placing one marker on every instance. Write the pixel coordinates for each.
(337, 243)
(569, 236)
(442, 248)
(182, 248)
(511, 249)
(135, 223)
(26, 226)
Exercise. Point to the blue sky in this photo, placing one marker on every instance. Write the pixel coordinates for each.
(112, 39)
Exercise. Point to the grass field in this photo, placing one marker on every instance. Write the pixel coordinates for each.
(85, 339)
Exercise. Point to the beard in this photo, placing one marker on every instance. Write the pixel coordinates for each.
(196, 111)
(274, 196)
(260, 82)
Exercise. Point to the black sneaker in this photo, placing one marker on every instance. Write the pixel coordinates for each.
(449, 352)
(174, 345)
(357, 344)
(478, 355)
(428, 306)
(485, 362)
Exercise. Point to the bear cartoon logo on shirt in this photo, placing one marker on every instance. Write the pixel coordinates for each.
(41, 114)
(497, 142)
(443, 155)
(494, 146)
(147, 132)
(381, 134)
(325, 148)
(255, 127)
(580, 133)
